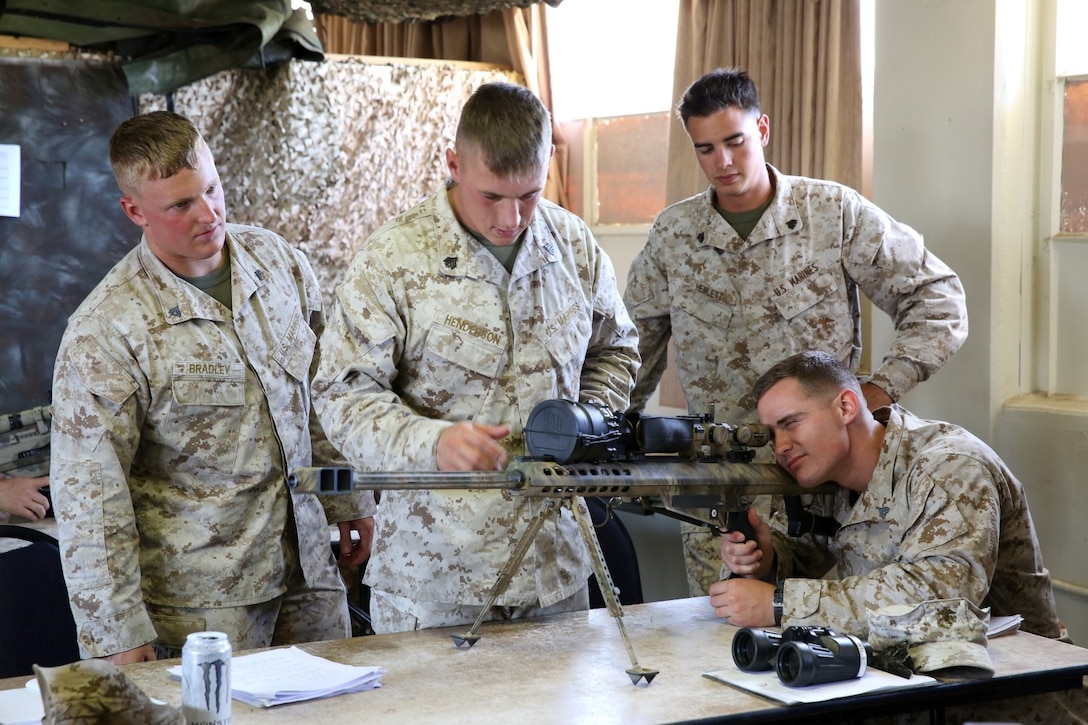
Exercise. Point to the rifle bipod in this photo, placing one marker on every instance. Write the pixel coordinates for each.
(600, 570)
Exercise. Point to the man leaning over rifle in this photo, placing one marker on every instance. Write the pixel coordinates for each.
(454, 320)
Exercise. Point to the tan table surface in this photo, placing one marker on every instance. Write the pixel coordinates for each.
(568, 668)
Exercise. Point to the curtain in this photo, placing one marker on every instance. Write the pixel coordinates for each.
(480, 38)
(515, 38)
(805, 57)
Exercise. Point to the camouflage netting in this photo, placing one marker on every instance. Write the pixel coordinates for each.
(392, 11)
(324, 153)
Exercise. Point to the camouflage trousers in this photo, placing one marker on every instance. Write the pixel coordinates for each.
(390, 613)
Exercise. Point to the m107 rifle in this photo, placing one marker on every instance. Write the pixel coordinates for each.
(24, 442)
(688, 467)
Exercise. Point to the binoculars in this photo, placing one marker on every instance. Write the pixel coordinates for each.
(802, 655)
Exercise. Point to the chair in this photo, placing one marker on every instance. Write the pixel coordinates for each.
(619, 555)
(36, 624)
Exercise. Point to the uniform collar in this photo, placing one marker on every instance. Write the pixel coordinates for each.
(180, 301)
(878, 499)
(781, 218)
(460, 255)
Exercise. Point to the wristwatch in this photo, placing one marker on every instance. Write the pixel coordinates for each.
(776, 604)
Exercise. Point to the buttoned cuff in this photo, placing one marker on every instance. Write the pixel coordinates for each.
(896, 377)
(123, 631)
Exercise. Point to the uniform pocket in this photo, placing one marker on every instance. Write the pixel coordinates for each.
(820, 310)
(208, 383)
(464, 360)
(295, 350)
(707, 306)
(569, 338)
(475, 353)
(806, 296)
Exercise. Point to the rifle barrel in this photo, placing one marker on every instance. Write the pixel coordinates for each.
(416, 480)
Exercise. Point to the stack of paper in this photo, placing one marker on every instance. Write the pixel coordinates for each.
(21, 706)
(286, 675)
(1003, 625)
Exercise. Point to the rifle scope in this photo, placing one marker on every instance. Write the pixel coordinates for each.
(569, 432)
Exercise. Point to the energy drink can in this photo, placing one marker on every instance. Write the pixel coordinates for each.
(205, 679)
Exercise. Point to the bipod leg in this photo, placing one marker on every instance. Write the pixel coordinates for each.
(608, 588)
(547, 508)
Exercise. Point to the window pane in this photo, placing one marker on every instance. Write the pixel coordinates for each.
(631, 161)
(575, 132)
(1070, 344)
(1075, 158)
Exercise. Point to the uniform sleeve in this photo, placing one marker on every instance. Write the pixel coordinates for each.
(95, 432)
(353, 390)
(920, 293)
(949, 551)
(341, 507)
(647, 300)
(612, 359)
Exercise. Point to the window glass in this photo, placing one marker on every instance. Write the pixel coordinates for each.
(1074, 203)
(631, 162)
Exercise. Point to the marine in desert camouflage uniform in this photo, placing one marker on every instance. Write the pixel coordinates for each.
(927, 511)
(181, 401)
(454, 320)
(762, 265)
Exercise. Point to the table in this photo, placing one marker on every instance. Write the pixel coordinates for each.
(570, 668)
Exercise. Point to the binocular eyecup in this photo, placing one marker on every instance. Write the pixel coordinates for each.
(801, 656)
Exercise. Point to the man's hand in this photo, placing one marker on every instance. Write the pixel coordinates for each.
(875, 397)
(22, 497)
(469, 446)
(753, 559)
(144, 653)
(743, 602)
(354, 553)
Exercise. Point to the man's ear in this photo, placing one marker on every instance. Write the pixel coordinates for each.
(132, 211)
(451, 163)
(849, 404)
(764, 126)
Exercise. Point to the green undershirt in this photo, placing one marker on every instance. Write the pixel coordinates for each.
(217, 283)
(743, 222)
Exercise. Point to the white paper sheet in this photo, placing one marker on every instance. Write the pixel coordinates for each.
(10, 175)
(285, 675)
(22, 706)
(767, 684)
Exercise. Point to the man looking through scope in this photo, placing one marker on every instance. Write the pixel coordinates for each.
(917, 501)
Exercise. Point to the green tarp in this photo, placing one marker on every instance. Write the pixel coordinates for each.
(164, 44)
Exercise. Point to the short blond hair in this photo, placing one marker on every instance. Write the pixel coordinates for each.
(153, 146)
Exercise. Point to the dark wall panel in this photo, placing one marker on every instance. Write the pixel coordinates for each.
(71, 229)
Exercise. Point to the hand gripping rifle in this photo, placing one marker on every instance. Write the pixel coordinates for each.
(687, 467)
